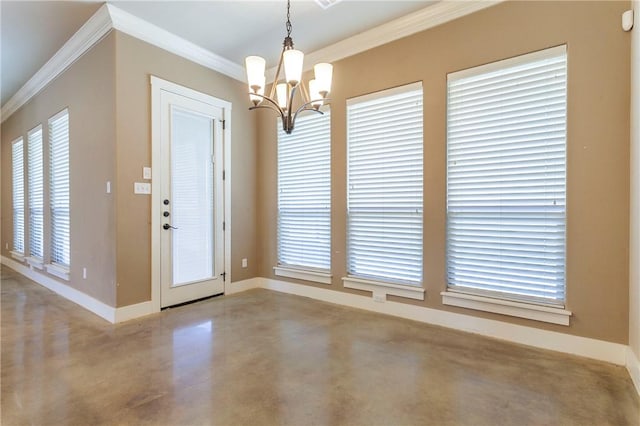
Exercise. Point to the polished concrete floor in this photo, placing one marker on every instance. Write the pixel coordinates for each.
(263, 358)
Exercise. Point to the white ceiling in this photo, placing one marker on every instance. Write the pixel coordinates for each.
(32, 31)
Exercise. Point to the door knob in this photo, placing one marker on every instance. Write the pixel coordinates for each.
(167, 226)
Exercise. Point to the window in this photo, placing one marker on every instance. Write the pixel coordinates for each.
(304, 198)
(384, 188)
(17, 161)
(506, 181)
(59, 188)
(35, 181)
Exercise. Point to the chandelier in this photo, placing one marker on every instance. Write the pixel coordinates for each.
(283, 90)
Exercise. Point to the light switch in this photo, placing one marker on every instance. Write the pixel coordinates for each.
(108, 187)
(141, 188)
(146, 173)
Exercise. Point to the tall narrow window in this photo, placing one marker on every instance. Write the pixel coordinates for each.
(35, 181)
(304, 195)
(17, 173)
(384, 197)
(506, 182)
(59, 188)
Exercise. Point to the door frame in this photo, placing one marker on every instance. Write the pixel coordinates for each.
(157, 86)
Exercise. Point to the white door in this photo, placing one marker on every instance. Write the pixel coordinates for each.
(191, 197)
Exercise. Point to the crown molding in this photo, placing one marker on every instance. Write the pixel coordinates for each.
(88, 35)
(106, 18)
(109, 17)
(152, 34)
(429, 17)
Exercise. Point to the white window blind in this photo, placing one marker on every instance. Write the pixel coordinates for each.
(304, 194)
(35, 180)
(17, 162)
(59, 188)
(506, 182)
(384, 200)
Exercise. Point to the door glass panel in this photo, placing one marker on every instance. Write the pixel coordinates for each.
(192, 197)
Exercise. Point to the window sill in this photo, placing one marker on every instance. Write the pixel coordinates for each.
(58, 271)
(34, 262)
(380, 290)
(302, 274)
(17, 256)
(507, 307)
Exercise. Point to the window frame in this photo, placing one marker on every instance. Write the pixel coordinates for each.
(378, 285)
(503, 302)
(54, 266)
(36, 260)
(294, 270)
(18, 253)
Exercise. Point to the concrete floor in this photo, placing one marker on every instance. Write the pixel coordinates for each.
(261, 358)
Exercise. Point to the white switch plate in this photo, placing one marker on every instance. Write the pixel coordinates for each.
(108, 187)
(146, 173)
(141, 188)
(244, 262)
(84, 273)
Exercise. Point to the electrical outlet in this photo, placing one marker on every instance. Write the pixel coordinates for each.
(245, 263)
(84, 273)
(146, 173)
(379, 297)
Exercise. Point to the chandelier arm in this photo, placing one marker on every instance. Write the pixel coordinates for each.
(274, 105)
(289, 121)
(305, 94)
(305, 107)
(277, 76)
(269, 107)
(292, 95)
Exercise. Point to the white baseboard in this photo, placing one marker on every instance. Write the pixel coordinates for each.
(126, 313)
(591, 348)
(91, 304)
(109, 313)
(633, 366)
(130, 312)
(244, 285)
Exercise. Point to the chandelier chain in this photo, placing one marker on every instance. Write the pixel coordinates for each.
(288, 18)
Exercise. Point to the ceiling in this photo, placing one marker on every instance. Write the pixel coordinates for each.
(33, 31)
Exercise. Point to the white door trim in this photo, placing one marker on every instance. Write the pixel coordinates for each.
(158, 85)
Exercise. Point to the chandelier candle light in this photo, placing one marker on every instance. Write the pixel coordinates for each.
(286, 89)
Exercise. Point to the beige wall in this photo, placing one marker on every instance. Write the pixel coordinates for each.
(634, 255)
(135, 61)
(87, 88)
(598, 146)
(108, 95)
